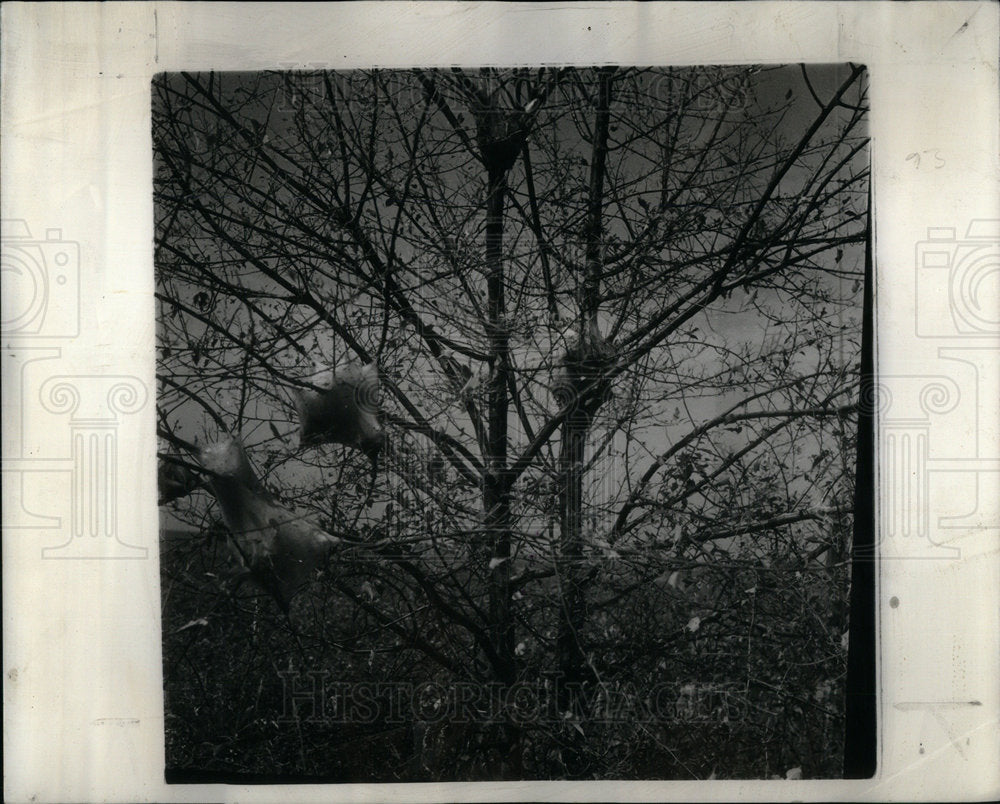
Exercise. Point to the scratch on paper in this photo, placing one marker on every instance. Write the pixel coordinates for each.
(935, 708)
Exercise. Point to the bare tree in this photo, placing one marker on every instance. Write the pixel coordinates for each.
(615, 319)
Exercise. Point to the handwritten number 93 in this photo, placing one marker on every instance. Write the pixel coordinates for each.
(917, 157)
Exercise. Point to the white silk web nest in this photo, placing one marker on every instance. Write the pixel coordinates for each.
(579, 373)
(344, 412)
(174, 481)
(281, 551)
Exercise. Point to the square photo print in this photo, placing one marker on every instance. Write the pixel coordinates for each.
(511, 423)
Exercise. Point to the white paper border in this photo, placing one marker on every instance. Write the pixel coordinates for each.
(82, 677)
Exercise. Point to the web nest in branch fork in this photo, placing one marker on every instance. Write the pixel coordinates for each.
(579, 382)
(174, 481)
(280, 551)
(344, 412)
(501, 134)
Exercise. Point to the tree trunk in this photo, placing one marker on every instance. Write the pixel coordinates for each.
(583, 368)
(496, 495)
